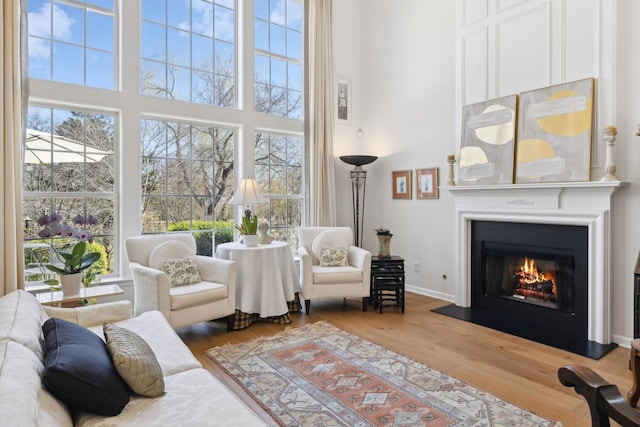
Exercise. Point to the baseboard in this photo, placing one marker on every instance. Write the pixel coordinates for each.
(429, 293)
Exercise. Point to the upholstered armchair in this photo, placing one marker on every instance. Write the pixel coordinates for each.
(208, 294)
(331, 266)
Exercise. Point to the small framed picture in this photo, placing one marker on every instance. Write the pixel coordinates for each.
(343, 101)
(401, 182)
(427, 183)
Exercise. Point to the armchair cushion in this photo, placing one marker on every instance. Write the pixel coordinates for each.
(196, 293)
(166, 251)
(334, 275)
(328, 238)
(181, 271)
(134, 360)
(333, 256)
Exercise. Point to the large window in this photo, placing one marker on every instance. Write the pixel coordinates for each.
(187, 179)
(164, 113)
(69, 169)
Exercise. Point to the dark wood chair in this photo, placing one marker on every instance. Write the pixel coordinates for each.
(604, 399)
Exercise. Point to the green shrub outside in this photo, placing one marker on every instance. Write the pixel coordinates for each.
(101, 266)
(204, 244)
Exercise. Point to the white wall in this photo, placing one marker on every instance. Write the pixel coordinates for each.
(401, 57)
(407, 116)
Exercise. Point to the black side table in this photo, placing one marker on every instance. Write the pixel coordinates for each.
(387, 281)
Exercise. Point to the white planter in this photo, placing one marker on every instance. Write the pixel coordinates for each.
(71, 283)
(250, 240)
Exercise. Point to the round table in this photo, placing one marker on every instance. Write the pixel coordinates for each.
(267, 280)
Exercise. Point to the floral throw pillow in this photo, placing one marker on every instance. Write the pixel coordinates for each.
(333, 256)
(182, 271)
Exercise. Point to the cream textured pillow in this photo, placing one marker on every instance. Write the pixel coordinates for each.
(134, 360)
(181, 271)
(332, 256)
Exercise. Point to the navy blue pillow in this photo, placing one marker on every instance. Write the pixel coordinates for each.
(79, 370)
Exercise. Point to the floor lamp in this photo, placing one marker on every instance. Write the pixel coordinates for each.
(358, 182)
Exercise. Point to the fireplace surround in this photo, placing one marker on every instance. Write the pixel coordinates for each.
(585, 204)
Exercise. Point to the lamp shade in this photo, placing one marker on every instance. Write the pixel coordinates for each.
(248, 193)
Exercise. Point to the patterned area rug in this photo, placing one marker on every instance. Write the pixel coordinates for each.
(319, 375)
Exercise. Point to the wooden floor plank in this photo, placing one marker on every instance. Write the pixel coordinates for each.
(515, 369)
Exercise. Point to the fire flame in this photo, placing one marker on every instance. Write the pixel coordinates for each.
(529, 275)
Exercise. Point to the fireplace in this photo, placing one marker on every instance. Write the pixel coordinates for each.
(583, 307)
(534, 274)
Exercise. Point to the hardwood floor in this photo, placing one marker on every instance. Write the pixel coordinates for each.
(520, 371)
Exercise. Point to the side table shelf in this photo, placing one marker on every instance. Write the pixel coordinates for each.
(57, 297)
(387, 282)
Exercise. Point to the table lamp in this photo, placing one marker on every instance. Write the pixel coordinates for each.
(248, 194)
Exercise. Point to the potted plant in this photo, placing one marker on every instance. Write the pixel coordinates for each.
(384, 240)
(249, 229)
(74, 262)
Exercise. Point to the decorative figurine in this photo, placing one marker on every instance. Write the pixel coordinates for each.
(263, 236)
(610, 166)
(451, 159)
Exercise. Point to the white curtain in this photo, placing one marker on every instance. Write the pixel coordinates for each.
(13, 17)
(322, 204)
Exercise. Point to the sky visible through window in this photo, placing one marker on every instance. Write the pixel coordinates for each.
(72, 42)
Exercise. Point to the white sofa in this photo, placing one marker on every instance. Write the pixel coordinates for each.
(192, 395)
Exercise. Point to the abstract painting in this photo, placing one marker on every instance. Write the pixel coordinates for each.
(488, 141)
(554, 133)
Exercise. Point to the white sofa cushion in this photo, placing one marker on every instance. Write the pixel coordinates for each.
(172, 354)
(21, 317)
(23, 399)
(194, 398)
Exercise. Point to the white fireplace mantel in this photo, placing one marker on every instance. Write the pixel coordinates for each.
(584, 203)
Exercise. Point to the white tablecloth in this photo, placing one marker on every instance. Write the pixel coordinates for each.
(267, 276)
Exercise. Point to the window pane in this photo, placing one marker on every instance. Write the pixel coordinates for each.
(178, 44)
(153, 41)
(68, 24)
(153, 78)
(261, 32)
(39, 58)
(224, 24)
(277, 40)
(100, 31)
(65, 63)
(178, 14)
(154, 10)
(294, 15)
(100, 68)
